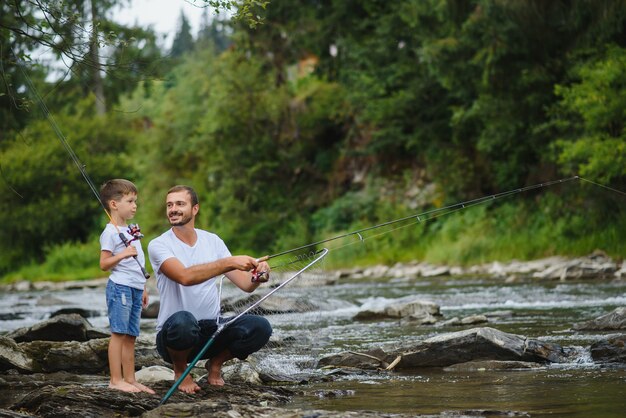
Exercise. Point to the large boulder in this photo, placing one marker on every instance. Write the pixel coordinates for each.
(478, 344)
(66, 327)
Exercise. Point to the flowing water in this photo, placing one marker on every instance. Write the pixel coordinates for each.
(540, 310)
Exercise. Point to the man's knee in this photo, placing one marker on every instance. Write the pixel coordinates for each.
(181, 331)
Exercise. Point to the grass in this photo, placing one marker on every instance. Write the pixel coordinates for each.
(519, 229)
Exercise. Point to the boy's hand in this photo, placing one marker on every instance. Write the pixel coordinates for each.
(144, 299)
(129, 251)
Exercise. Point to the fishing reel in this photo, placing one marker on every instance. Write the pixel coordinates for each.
(135, 232)
(259, 276)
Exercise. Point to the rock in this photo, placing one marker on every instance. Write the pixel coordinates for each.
(615, 320)
(13, 357)
(405, 307)
(152, 374)
(474, 319)
(493, 365)
(476, 344)
(610, 350)
(372, 359)
(85, 313)
(75, 356)
(70, 327)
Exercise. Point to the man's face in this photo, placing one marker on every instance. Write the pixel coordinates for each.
(179, 209)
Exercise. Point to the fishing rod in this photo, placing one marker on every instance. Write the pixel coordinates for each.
(134, 230)
(433, 213)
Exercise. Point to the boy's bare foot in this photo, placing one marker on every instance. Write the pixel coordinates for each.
(124, 387)
(143, 388)
(187, 385)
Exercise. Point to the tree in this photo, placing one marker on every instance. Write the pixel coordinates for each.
(183, 40)
(591, 118)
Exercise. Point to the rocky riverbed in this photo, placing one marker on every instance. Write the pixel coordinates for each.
(58, 366)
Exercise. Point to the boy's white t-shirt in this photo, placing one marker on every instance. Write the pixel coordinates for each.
(202, 299)
(126, 272)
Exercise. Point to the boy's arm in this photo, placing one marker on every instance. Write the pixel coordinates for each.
(108, 260)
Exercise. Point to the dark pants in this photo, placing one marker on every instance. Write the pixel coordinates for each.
(182, 331)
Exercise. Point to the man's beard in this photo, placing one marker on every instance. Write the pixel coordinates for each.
(183, 219)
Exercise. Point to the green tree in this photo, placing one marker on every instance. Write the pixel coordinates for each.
(183, 40)
(591, 116)
(45, 199)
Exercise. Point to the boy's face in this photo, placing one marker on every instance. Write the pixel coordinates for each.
(126, 207)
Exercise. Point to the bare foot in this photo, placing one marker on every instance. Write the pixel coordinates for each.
(215, 379)
(215, 374)
(142, 388)
(123, 386)
(188, 385)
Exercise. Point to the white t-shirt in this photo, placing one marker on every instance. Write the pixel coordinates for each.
(202, 299)
(127, 272)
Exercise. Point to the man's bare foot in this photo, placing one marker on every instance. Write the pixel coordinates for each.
(124, 387)
(142, 388)
(187, 385)
(215, 374)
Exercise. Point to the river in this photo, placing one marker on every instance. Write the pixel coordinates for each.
(542, 310)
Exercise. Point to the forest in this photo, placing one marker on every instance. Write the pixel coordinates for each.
(296, 121)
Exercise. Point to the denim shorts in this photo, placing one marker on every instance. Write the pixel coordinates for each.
(124, 308)
(181, 331)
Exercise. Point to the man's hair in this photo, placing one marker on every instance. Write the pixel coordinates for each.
(181, 188)
(116, 189)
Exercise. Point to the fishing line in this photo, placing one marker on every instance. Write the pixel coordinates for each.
(430, 214)
(81, 167)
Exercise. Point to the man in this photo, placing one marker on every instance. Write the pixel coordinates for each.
(187, 261)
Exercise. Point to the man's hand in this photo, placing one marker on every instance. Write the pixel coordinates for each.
(261, 273)
(243, 262)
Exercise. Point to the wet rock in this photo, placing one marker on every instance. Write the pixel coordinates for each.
(477, 344)
(615, 320)
(372, 359)
(493, 365)
(400, 308)
(69, 327)
(610, 350)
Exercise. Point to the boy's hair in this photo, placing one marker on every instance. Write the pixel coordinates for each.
(181, 188)
(116, 189)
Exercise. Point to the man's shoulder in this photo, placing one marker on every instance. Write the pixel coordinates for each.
(164, 237)
(207, 235)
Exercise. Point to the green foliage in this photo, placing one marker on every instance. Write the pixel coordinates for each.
(66, 261)
(319, 122)
(592, 112)
(47, 201)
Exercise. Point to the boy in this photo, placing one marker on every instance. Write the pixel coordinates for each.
(126, 292)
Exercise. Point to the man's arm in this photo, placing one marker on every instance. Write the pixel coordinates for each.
(237, 266)
(243, 279)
